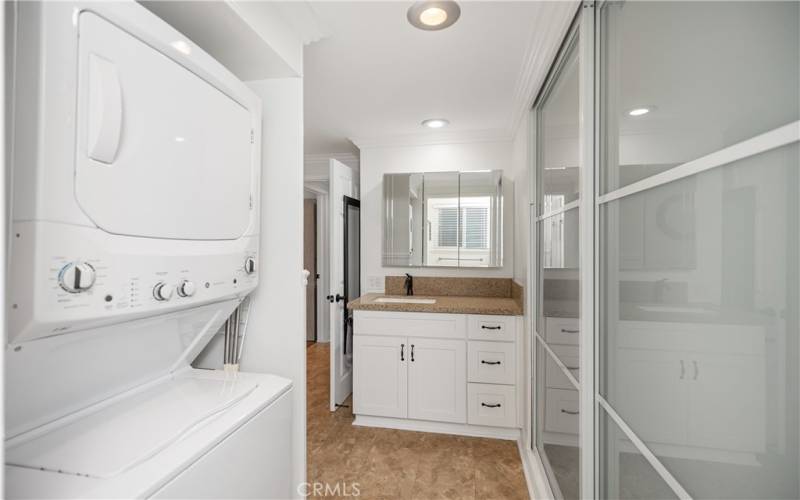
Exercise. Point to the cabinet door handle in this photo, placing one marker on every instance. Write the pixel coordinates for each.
(491, 406)
(569, 412)
(572, 367)
(483, 361)
(491, 327)
(683, 370)
(402, 352)
(412, 352)
(564, 330)
(696, 370)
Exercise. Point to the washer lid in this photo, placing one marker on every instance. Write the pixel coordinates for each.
(160, 151)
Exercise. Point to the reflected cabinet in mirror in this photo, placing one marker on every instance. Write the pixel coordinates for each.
(443, 219)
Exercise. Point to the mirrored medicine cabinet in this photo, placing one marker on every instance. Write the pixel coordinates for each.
(443, 219)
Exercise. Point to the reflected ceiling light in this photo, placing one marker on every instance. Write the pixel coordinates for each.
(182, 47)
(432, 15)
(436, 123)
(641, 110)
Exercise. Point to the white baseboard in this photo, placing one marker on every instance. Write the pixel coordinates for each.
(535, 476)
(511, 434)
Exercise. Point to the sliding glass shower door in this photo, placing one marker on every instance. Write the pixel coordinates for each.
(673, 129)
(698, 254)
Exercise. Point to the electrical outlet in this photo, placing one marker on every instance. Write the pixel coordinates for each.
(375, 282)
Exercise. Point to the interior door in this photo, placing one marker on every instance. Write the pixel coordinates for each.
(310, 264)
(342, 184)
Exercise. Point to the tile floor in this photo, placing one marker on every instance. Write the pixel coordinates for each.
(387, 463)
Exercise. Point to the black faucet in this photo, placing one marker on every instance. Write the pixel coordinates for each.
(409, 285)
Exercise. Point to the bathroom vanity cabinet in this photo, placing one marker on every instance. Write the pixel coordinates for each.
(456, 373)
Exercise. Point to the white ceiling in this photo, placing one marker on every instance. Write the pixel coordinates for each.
(375, 76)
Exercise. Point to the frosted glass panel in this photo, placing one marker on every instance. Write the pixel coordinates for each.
(712, 74)
(558, 150)
(699, 324)
(624, 472)
(556, 406)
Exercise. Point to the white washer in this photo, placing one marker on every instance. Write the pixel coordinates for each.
(136, 163)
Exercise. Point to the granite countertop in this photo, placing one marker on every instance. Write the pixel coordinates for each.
(505, 306)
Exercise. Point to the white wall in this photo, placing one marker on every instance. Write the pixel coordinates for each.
(376, 161)
(276, 333)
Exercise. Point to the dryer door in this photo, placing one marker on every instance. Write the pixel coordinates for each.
(161, 152)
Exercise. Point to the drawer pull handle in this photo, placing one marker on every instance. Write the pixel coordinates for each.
(402, 351)
(483, 361)
(568, 412)
(573, 368)
(491, 406)
(564, 330)
(491, 327)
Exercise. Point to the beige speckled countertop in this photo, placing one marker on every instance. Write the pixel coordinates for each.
(506, 306)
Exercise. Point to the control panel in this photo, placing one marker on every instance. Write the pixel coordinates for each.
(90, 283)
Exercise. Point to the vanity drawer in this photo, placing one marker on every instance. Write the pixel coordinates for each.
(562, 330)
(492, 327)
(561, 414)
(489, 404)
(491, 362)
(410, 324)
(555, 377)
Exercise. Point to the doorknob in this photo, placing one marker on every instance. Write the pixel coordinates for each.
(337, 298)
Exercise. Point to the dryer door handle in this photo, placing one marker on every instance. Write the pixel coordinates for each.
(105, 110)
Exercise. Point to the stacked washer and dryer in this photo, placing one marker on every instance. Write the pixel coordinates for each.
(134, 236)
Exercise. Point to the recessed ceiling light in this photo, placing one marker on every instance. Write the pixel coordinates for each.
(436, 123)
(433, 15)
(641, 111)
(182, 47)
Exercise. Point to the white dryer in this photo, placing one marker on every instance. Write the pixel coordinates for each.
(135, 185)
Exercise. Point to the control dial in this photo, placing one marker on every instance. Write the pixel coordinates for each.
(76, 277)
(186, 288)
(162, 291)
(250, 265)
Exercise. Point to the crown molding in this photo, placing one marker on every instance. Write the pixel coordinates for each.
(315, 165)
(431, 139)
(542, 49)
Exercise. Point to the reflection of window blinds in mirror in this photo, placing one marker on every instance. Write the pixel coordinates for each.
(476, 227)
(448, 227)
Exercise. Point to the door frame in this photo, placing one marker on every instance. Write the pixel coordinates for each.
(320, 190)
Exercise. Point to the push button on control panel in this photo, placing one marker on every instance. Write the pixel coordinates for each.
(162, 291)
(186, 288)
(76, 277)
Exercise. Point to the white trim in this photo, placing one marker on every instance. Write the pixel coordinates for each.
(315, 166)
(644, 450)
(566, 208)
(535, 476)
(432, 138)
(776, 138)
(588, 409)
(542, 50)
(405, 424)
(557, 360)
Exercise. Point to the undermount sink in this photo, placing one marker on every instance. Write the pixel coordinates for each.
(403, 300)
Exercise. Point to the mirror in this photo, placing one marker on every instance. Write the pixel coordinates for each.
(443, 219)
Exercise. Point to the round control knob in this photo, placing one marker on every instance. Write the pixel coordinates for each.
(162, 291)
(76, 277)
(186, 288)
(250, 265)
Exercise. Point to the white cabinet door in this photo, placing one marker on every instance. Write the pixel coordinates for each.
(437, 380)
(651, 394)
(380, 376)
(727, 409)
